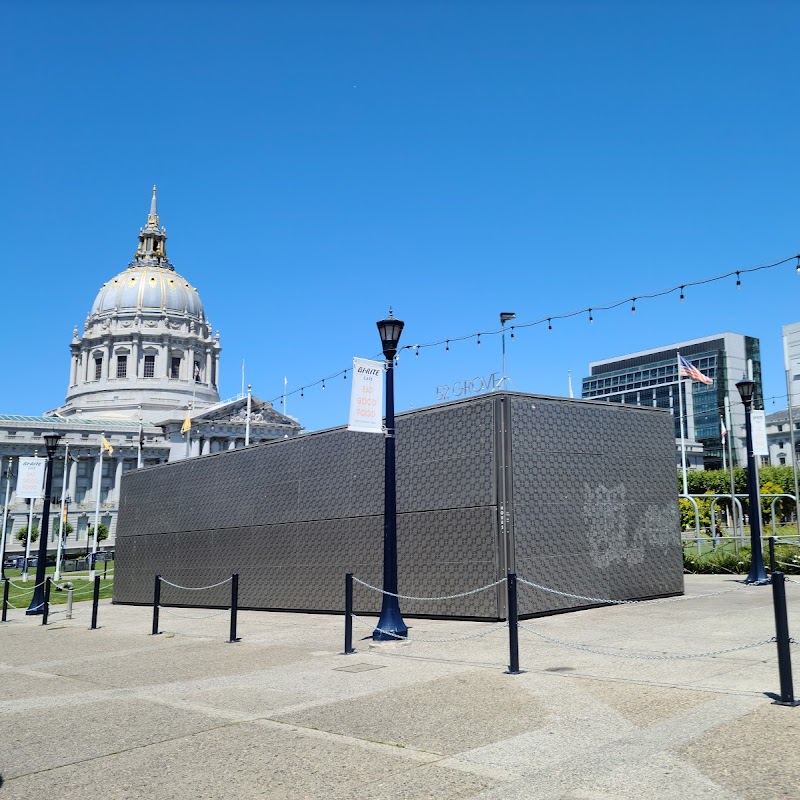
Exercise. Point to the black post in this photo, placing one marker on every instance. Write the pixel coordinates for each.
(782, 639)
(37, 601)
(46, 609)
(771, 541)
(6, 584)
(513, 629)
(105, 568)
(757, 574)
(234, 605)
(348, 614)
(95, 600)
(390, 626)
(156, 601)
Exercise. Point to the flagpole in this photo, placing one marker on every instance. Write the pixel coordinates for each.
(242, 378)
(5, 517)
(284, 394)
(97, 508)
(247, 421)
(569, 381)
(139, 458)
(724, 443)
(57, 574)
(729, 437)
(787, 369)
(683, 438)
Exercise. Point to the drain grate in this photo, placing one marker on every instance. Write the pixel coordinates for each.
(359, 667)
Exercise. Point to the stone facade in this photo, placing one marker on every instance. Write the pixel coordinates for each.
(145, 368)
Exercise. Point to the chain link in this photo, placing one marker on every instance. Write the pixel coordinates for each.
(493, 629)
(22, 589)
(444, 597)
(681, 657)
(195, 588)
(626, 602)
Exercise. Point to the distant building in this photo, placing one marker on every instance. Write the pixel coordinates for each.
(146, 361)
(650, 378)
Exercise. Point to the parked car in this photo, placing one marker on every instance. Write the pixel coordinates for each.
(13, 562)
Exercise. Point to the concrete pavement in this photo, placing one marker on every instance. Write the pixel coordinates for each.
(282, 714)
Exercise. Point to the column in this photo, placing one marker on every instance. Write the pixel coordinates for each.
(117, 479)
(97, 479)
(216, 369)
(206, 446)
(108, 356)
(207, 376)
(190, 364)
(195, 447)
(73, 480)
(73, 370)
(134, 359)
(231, 444)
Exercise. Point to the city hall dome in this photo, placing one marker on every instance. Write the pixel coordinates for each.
(149, 288)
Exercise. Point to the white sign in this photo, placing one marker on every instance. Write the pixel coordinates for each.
(757, 418)
(30, 482)
(366, 396)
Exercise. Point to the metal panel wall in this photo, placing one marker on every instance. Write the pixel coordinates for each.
(580, 495)
(291, 517)
(594, 502)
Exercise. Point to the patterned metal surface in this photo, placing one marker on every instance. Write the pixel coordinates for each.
(592, 489)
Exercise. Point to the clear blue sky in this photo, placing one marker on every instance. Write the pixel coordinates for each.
(319, 161)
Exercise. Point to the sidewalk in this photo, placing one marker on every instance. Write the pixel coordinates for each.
(282, 714)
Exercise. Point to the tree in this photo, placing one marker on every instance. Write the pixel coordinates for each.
(22, 534)
(102, 532)
(782, 505)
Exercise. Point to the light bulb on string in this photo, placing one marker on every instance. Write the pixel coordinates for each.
(633, 305)
(416, 352)
(738, 281)
(345, 374)
(323, 384)
(682, 297)
(549, 324)
(798, 265)
(591, 318)
(512, 331)
(301, 391)
(447, 347)
(479, 340)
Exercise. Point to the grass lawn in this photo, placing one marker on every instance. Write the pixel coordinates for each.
(19, 594)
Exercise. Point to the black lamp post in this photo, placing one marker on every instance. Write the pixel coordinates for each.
(757, 574)
(37, 601)
(390, 625)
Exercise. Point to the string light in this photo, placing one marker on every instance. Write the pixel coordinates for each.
(512, 331)
(323, 384)
(633, 305)
(416, 352)
(549, 320)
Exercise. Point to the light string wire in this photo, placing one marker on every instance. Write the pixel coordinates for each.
(590, 310)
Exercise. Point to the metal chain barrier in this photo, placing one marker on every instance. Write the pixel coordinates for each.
(494, 628)
(195, 588)
(624, 602)
(444, 597)
(681, 657)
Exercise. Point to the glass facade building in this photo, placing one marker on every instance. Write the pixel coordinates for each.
(650, 378)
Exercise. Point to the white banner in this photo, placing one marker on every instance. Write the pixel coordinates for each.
(757, 418)
(30, 483)
(366, 396)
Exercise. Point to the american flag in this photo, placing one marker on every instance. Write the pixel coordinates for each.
(688, 370)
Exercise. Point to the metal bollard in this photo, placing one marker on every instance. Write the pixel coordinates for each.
(70, 590)
(156, 601)
(513, 629)
(783, 641)
(46, 609)
(6, 585)
(771, 541)
(234, 605)
(348, 614)
(95, 601)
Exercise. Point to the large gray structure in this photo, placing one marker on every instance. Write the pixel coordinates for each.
(574, 494)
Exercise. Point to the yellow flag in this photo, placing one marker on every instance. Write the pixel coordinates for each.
(187, 424)
(106, 445)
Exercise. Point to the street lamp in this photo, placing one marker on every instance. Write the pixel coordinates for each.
(37, 601)
(757, 574)
(505, 316)
(390, 625)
